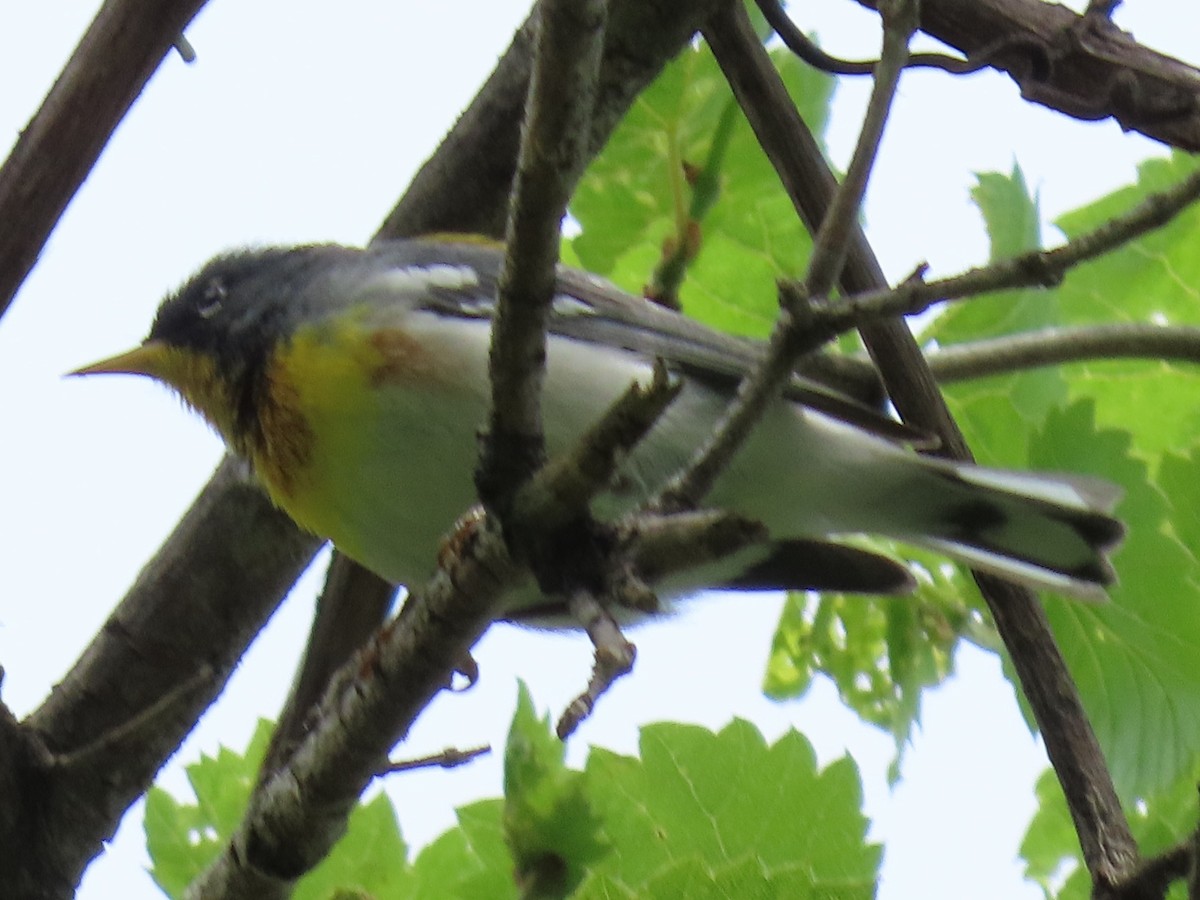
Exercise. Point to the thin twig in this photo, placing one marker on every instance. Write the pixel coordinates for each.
(829, 251)
(1036, 268)
(587, 468)
(798, 42)
(832, 240)
(134, 729)
(1055, 346)
(450, 758)
(659, 546)
(1046, 347)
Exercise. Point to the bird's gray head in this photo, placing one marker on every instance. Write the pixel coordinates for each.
(240, 305)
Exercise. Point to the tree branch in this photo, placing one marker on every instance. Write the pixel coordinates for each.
(195, 607)
(798, 42)
(1036, 268)
(121, 49)
(553, 152)
(1082, 66)
(297, 815)
(1055, 346)
(1046, 347)
(1108, 845)
(832, 241)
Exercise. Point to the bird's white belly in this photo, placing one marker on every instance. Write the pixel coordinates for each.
(417, 453)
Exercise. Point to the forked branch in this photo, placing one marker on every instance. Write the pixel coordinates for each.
(1108, 846)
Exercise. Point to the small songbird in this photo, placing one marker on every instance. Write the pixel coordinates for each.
(354, 383)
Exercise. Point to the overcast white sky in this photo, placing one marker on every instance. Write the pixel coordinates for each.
(302, 121)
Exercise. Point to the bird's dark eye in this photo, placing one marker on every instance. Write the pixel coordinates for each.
(212, 298)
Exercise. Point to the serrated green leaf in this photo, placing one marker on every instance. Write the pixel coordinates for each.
(1014, 222)
(727, 797)
(996, 413)
(694, 878)
(491, 866)
(176, 841)
(1134, 659)
(604, 887)
(1130, 659)
(994, 428)
(468, 861)
(183, 838)
(1051, 849)
(757, 820)
(1013, 225)
(222, 784)
(1153, 280)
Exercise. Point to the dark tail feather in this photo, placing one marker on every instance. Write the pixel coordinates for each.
(810, 565)
(1045, 531)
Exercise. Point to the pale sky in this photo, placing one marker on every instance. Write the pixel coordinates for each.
(303, 121)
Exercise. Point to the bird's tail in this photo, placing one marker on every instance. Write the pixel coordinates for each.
(1047, 531)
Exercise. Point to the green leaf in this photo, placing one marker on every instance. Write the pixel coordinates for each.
(1014, 226)
(699, 814)
(1134, 660)
(722, 799)
(880, 653)
(1152, 280)
(1051, 849)
(469, 861)
(636, 204)
(996, 413)
(695, 879)
(1129, 421)
(1179, 478)
(176, 842)
(550, 828)
(183, 838)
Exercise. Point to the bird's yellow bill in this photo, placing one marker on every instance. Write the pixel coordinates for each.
(146, 359)
(193, 376)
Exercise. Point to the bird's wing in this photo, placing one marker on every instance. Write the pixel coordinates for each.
(589, 308)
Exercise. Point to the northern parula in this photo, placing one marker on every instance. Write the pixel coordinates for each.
(354, 382)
